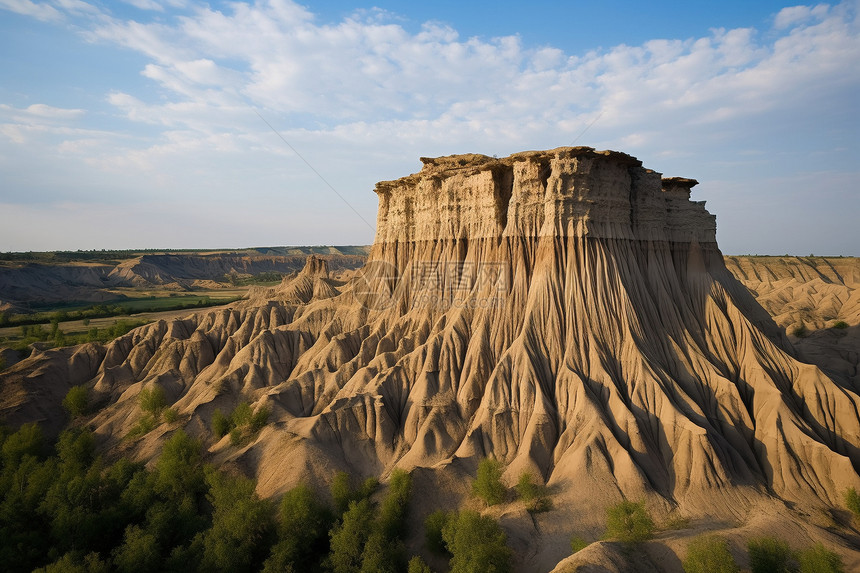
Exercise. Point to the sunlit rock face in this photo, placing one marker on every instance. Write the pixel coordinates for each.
(564, 311)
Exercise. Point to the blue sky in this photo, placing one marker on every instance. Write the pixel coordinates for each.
(143, 124)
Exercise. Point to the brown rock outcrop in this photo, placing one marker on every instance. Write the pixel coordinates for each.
(564, 311)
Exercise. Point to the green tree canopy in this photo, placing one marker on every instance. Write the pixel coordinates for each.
(476, 543)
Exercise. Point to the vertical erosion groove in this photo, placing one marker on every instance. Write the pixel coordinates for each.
(503, 187)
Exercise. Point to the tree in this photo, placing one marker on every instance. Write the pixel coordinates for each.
(384, 551)
(629, 522)
(768, 555)
(348, 540)
(433, 526)
(417, 565)
(343, 494)
(488, 483)
(152, 400)
(709, 554)
(526, 487)
(139, 552)
(302, 532)
(381, 554)
(75, 562)
(392, 513)
(476, 543)
(240, 535)
(533, 494)
(27, 441)
(76, 401)
(179, 470)
(220, 423)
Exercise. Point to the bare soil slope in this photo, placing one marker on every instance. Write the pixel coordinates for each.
(808, 292)
(817, 301)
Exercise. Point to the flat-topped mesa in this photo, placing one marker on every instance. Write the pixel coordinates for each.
(568, 191)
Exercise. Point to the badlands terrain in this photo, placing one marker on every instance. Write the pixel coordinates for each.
(567, 313)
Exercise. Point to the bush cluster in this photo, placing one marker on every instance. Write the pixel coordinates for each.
(68, 510)
(474, 542)
(242, 423)
(153, 403)
(711, 554)
(488, 484)
(629, 522)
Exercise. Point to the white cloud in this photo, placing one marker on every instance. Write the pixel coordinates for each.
(38, 10)
(794, 15)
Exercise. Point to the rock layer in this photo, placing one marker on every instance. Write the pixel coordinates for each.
(565, 311)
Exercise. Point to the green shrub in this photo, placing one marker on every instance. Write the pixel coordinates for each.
(367, 488)
(76, 401)
(768, 555)
(27, 441)
(840, 324)
(170, 415)
(526, 488)
(488, 483)
(302, 532)
(676, 522)
(259, 419)
(242, 423)
(152, 400)
(433, 526)
(417, 565)
(476, 543)
(349, 539)
(819, 559)
(242, 525)
(533, 494)
(709, 554)
(144, 426)
(220, 423)
(236, 438)
(852, 501)
(341, 492)
(629, 522)
(577, 544)
(241, 415)
(392, 511)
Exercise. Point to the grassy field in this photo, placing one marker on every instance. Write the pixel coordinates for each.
(73, 324)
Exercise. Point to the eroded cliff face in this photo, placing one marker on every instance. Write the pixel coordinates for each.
(565, 311)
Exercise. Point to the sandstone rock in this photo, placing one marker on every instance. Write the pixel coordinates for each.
(564, 311)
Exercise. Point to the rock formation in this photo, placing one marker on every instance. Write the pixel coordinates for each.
(564, 311)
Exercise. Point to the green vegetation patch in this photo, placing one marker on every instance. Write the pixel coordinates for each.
(242, 424)
(768, 555)
(488, 484)
(629, 522)
(533, 494)
(56, 338)
(709, 554)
